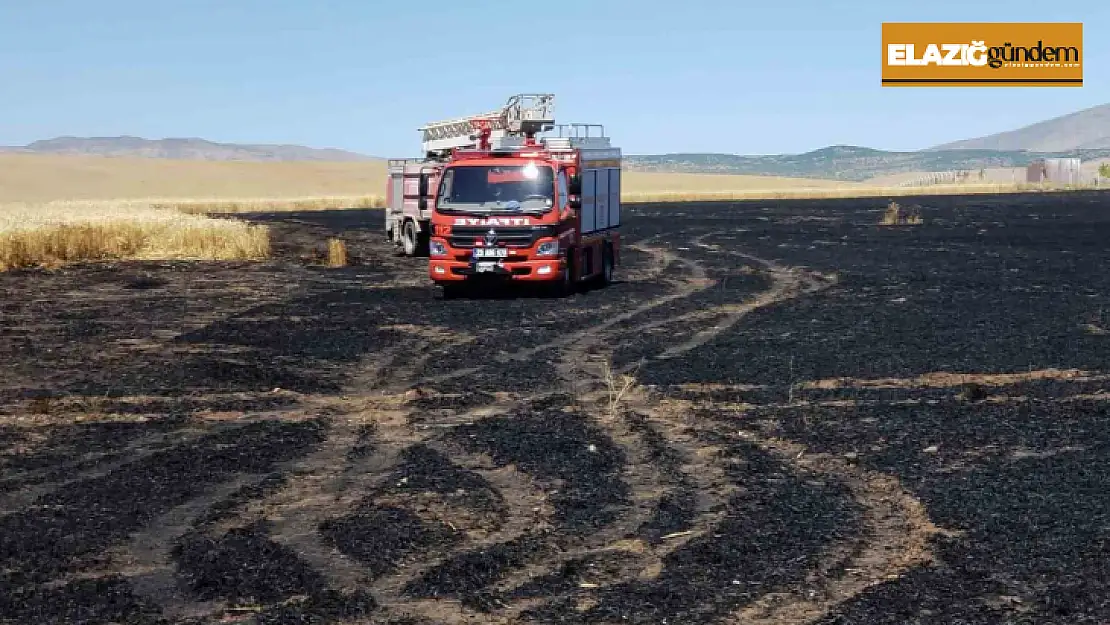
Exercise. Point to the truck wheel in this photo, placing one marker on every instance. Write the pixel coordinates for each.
(605, 278)
(566, 285)
(408, 238)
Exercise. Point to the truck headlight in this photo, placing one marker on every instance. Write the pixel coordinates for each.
(435, 248)
(548, 248)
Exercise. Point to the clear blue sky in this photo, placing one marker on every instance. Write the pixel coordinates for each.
(663, 76)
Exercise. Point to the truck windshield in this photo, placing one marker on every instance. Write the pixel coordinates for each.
(496, 189)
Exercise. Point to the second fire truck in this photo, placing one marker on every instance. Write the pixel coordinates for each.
(490, 202)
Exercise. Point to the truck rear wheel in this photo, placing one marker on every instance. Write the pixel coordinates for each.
(606, 276)
(408, 238)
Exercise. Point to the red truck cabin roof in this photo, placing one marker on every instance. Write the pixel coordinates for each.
(494, 157)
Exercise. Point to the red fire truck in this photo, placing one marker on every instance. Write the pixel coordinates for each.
(491, 203)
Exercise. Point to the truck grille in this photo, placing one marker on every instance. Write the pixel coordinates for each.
(519, 236)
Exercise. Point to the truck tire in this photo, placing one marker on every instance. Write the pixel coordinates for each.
(605, 277)
(409, 241)
(566, 284)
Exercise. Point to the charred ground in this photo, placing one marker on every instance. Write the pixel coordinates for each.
(783, 412)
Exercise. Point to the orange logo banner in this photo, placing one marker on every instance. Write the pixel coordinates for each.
(957, 54)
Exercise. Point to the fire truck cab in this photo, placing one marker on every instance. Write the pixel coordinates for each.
(512, 208)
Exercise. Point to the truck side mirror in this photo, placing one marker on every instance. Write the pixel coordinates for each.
(574, 186)
(423, 191)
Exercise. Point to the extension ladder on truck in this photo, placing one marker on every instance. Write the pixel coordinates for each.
(524, 113)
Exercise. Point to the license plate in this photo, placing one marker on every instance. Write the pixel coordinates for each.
(485, 267)
(490, 252)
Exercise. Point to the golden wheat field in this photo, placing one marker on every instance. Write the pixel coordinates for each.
(55, 209)
(42, 178)
(46, 234)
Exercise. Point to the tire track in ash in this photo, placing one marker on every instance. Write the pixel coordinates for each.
(317, 489)
(896, 528)
(527, 518)
(402, 431)
(290, 515)
(351, 467)
(770, 607)
(895, 538)
(147, 562)
(895, 535)
(396, 368)
(786, 283)
(350, 464)
(619, 543)
(581, 340)
(391, 589)
(678, 496)
(647, 482)
(580, 344)
(57, 553)
(102, 464)
(663, 259)
(396, 433)
(312, 487)
(576, 345)
(643, 475)
(526, 508)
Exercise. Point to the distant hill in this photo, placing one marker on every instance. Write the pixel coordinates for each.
(840, 162)
(1088, 129)
(1085, 134)
(186, 149)
(843, 162)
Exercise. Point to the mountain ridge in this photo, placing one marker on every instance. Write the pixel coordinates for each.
(1086, 129)
(1084, 134)
(186, 148)
(858, 165)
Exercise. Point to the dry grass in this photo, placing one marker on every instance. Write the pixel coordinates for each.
(45, 178)
(270, 205)
(337, 253)
(895, 215)
(54, 233)
(892, 215)
(617, 387)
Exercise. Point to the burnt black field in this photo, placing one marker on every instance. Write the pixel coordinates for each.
(781, 412)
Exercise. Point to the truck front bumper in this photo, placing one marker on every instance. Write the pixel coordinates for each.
(525, 270)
